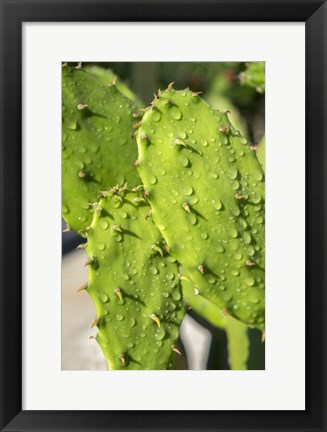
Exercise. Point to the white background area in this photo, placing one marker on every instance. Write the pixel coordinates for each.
(281, 385)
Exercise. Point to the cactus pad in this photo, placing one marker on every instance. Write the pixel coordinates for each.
(206, 189)
(98, 150)
(133, 282)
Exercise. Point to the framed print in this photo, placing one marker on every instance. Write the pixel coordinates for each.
(187, 290)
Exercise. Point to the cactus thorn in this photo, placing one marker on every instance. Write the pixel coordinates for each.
(239, 196)
(119, 294)
(67, 229)
(148, 214)
(138, 200)
(89, 262)
(113, 82)
(201, 269)
(196, 292)
(181, 277)
(82, 174)
(122, 358)
(64, 64)
(263, 336)
(226, 312)
(223, 129)
(137, 188)
(249, 263)
(95, 322)
(136, 115)
(180, 142)
(144, 138)
(186, 207)
(92, 337)
(81, 246)
(168, 102)
(117, 228)
(83, 287)
(81, 106)
(176, 350)
(137, 125)
(170, 86)
(167, 249)
(79, 65)
(157, 249)
(155, 319)
(254, 147)
(136, 163)
(196, 93)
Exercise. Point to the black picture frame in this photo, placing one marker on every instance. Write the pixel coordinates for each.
(13, 14)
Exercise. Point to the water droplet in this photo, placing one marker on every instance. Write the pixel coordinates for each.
(253, 298)
(188, 190)
(233, 232)
(238, 256)
(103, 297)
(193, 200)
(177, 295)
(132, 322)
(160, 334)
(250, 281)
(235, 272)
(184, 161)
(104, 224)
(119, 317)
(214, 175)
(232, 173)
(246, 237)
(152, 179)
(101, 246)
(192, 218)
(220, 249)
(217, 204)
(205, 143)
(156, 116)
(236, 211)
(175, 113)
(204, 235)
(182, 135)
(153, 270)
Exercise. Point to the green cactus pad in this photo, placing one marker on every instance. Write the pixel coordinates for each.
(134, 284)
(98, 150)
(206, 189)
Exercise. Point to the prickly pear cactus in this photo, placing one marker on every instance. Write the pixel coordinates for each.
(133, 282)
(97, 148)
(206, 189)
